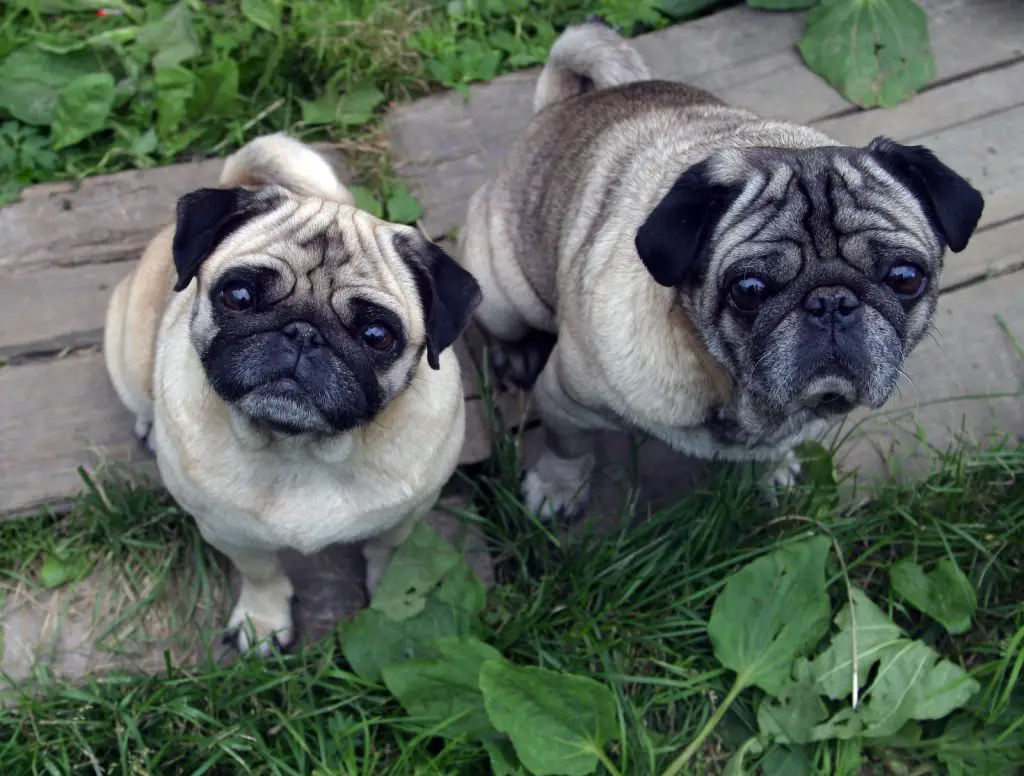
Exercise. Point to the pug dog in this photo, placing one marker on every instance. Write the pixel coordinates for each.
(286, 356)
(655, 260)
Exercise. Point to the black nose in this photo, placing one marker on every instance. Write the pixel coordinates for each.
(832, 306)
(304, 335)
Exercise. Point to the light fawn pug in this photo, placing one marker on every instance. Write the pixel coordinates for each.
(286, 357)
(655, 260)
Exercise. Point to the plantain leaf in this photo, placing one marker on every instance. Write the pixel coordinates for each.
(876, 53)
(771, 612)
(558, 723)
(944, 594)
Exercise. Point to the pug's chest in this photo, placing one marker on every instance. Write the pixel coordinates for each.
(274, 502)
(722, 437)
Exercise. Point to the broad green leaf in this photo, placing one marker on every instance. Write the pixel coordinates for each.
(736, 765)
(906, 737)
(82, 109)
(791, 718)
(414, 570)
(357, 105)
(172, 37)
(403, 207)
(557, 722)
(263, 13)
(786, 761)
(216, 93)
(145, 144)
(31, 81)
(944, 594)
(371, 641)
(782, 5)
(970, 747)
(913, 682)
(503, 757)
(874, 631)
(876, 53)
(366, 201)
(58, 570)
(323, 110)
(446, 688)
(771, 612)
(849, 757)
(462, 590)
(175, 87)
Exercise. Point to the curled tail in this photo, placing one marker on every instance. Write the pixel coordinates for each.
(281, 160)
(587, 56)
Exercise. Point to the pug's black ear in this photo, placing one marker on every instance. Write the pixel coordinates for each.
(952, 205)
(449, 293)
(205, 218)
(672, 240)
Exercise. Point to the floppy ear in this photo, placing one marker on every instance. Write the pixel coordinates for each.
(449, 293)
(672, 240)
(205, 218)
(952, 205)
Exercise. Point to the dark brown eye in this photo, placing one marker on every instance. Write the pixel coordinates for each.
(748, 294)
(379, 337)
(237, 297)
(906, 281)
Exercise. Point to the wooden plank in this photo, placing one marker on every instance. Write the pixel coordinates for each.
(58, 415)
(989, 151)
(992, 252)
(55, 417)
(450, 146)
(971, 355)
(981, 95)
(56, 307)
(104, 219)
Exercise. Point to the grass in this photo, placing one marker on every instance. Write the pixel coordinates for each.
(628, 608)
(195, 78)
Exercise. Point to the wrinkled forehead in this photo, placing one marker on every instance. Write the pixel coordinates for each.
(320, 247)
(832, 203)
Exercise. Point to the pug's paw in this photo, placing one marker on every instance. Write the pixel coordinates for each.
(557, 488)
(262, 619)
(784, 477)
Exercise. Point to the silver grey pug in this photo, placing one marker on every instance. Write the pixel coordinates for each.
(656, 260)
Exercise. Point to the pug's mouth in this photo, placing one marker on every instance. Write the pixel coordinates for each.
(829, 396)
(285, 407)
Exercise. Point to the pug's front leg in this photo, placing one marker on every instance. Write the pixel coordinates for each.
(262, 617)
(557, 486)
